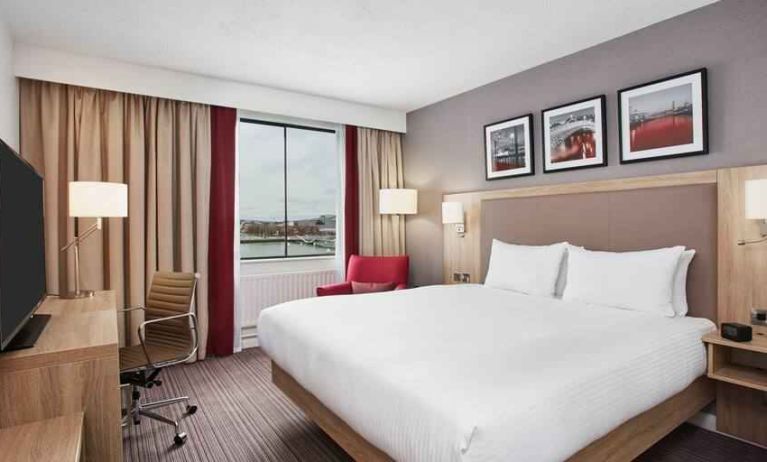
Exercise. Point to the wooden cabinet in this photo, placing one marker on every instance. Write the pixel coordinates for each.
(74, 367)
(59, 439)
(741, 371)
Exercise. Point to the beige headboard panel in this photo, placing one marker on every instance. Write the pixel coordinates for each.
(741, 271)
(617, 221)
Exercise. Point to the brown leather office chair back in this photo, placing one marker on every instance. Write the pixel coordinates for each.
(170, 294)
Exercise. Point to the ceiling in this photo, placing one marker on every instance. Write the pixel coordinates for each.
(395, 53)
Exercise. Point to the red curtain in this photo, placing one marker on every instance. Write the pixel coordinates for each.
(351, 196)
(221, 237)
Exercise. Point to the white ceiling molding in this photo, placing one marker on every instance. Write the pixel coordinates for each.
(399, 54)
(56, 66)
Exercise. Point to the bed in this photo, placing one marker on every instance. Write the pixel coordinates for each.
(465, 373)
(502, 377)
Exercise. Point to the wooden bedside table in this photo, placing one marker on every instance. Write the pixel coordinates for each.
(741, 371)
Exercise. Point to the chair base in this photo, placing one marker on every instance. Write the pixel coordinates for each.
(137, 410)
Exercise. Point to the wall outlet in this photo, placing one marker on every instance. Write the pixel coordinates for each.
(759, 316)
(461, 277)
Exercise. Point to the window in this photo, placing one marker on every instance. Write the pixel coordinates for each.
(288, 190)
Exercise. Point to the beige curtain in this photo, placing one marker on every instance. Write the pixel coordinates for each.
(161, 149)
(379, 157)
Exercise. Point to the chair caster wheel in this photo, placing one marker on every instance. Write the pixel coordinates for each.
(191, 409)
(180, 439)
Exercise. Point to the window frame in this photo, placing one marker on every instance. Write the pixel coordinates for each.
(285, 126)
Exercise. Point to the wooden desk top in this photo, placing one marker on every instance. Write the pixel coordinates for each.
(79, 330)
(59, 439)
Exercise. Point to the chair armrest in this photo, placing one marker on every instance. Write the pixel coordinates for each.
(131, 308)
(342, 288)
(401, 287)
(142, 334)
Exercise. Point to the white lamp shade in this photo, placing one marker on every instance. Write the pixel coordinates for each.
(98, 199)
(398, 201)
(756, 199)
(452, 213)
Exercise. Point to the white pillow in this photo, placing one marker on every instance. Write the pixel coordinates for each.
(529, 269)
(640, 281)
(680, 283)
(562, 278)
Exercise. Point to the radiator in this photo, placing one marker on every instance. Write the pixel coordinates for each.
(259, 291)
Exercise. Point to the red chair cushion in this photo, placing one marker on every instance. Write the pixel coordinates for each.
(371, 287)
(342, 288)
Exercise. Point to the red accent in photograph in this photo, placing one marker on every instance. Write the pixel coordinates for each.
(578, 145)
(507, 163)
(662, 132)
(509, 148)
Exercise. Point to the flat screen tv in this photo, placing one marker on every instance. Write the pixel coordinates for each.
(22, 250)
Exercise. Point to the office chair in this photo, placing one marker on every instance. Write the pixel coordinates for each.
(168, 336)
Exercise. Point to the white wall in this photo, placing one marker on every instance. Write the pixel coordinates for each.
(55, 66)
(9, 92)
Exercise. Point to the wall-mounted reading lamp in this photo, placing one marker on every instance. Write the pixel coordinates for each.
(756, 207)
(452, 214)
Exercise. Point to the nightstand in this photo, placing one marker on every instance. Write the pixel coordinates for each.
(741, 371)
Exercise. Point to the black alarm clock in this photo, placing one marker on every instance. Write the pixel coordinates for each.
(736, 332)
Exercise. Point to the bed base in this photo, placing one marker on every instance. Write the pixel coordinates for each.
(624, 443)
(351, 441)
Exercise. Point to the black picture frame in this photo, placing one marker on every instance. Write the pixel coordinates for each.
(530, 142)
(601, 105)
(703, 101)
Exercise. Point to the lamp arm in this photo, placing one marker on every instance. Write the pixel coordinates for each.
(752, 241)
(78, 239)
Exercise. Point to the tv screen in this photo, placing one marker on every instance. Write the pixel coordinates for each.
(22, 248)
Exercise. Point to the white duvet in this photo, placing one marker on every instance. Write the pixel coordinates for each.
(469, 373)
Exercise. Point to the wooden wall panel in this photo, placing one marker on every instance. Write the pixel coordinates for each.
(742, 269)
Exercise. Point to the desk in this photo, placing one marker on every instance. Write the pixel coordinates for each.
(59, 439)
(74, 367)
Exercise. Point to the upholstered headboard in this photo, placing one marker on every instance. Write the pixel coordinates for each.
(636, 219)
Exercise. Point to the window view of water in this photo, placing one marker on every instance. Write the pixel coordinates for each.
(288, 190)
(267, 249)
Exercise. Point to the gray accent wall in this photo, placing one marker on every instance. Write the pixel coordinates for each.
(444, 148)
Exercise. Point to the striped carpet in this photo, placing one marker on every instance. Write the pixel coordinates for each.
(243, 417)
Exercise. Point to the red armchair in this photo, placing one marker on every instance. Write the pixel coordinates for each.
(371, 269)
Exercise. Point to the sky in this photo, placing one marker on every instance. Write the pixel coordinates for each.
(661, 100)
(589, 111)
(312, 172)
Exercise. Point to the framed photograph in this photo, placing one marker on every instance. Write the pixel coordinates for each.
(509, 148)
(663, 119)
(574, 135)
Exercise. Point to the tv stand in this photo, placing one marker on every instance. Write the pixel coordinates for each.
(28, 335)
